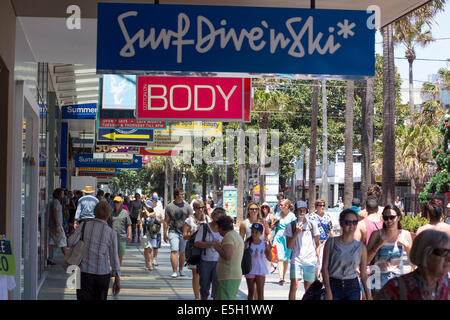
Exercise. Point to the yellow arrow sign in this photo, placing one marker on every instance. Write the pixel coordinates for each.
(114, 136)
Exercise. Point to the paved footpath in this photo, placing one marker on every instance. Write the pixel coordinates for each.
(139, 284)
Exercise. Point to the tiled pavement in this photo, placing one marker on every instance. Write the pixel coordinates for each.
(139, 284)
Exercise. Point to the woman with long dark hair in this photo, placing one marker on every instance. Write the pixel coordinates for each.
(387, 246)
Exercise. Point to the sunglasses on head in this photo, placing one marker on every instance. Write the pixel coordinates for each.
(350, 222)
(386, 218)
(441, 252)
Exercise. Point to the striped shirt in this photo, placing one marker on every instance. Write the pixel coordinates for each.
(100, 248)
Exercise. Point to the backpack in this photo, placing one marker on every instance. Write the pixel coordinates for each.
(193, 253)
(246, 263)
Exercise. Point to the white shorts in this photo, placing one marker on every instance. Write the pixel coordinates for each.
(149, 242)
(58, 239)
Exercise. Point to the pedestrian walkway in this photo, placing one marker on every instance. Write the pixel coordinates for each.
(139, 284)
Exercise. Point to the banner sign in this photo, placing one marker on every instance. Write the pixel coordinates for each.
(161, 153)
(171, 143)
(111, 123)
(7, 262)
(196, 38)
(118, 149)
(128, 156)
(230, 200)
(192, 98)
(87, 160)
(193, 128)
(125, 135)
(122, 143)
(79, 111)
(118, 104)
(100, 170)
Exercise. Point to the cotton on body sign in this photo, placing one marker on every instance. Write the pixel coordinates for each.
(134, 38)
(197, 98)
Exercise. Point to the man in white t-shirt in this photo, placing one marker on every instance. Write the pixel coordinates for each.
(302, 236)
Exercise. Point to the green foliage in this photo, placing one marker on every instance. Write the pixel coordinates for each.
(412, 223)
(440, 181)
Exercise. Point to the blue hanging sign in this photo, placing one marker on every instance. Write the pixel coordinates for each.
(79, 111)
(88, 161)
(147, 37)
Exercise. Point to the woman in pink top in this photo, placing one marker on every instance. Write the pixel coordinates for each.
(372, 223)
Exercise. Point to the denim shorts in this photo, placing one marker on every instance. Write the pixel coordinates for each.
(345, 289)
(177, 243)
(306, 273)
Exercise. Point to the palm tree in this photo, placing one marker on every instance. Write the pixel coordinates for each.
(241, 175)
(410, 33)
(367, 118)
(388, 176)
(313, 146)
(348, 178)
(266, 101)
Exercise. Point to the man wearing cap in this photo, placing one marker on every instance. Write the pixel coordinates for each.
(85, 207)
(121, 223)
(302, 236)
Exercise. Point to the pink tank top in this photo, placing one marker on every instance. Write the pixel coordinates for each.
(372, 226)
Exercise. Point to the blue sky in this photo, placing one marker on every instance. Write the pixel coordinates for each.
(439, 49)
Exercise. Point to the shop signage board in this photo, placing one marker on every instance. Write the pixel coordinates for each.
(87, 160)
(102, 155)
(118, 103)
(99, 170)
(171, 143)
(111, 143)
(192, 98)
(156, 153)
(193, 128)
(119, 135)
(230, 200)
(118, 149)
(133, 38)
(7, 262)
(79, 111)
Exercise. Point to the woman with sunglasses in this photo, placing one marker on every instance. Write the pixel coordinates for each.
(342, 256)
(191, 225)
(282, 219)
(430, 281)
(386, 246)
(253, 216)
(267, 215)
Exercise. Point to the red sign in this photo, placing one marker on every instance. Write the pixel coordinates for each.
(195, 98)
(166, 153)
(131, 123)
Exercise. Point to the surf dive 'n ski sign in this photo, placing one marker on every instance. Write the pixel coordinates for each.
(147, 37)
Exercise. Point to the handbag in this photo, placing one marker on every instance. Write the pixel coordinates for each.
(74, 255)
(246, 264)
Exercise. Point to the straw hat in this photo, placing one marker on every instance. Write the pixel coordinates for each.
(88, 189)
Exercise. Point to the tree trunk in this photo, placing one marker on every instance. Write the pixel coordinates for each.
(215, 183)
(324, 144)
(263, 124)
(348, 178)
(367, 116)
(189, 184)
(204, 177)
(166, 183)
(411, 90)
(230, 175)
(304, 177)
(313, 146)
(171, 173)
(388, 173)
(241, 176)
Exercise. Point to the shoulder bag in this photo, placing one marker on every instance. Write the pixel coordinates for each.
(74, 255)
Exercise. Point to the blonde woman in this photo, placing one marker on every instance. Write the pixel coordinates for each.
(253, 216)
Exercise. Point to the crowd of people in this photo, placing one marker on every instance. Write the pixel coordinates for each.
(363, 259)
